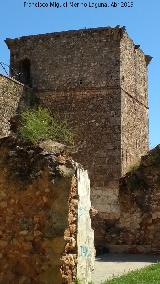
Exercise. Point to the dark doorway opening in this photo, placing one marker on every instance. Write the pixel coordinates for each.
(25, 72)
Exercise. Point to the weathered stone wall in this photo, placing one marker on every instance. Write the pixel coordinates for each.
(134, 131)
(95, 117)
(138, 229)
(133, 71)
(13, 97)
(134, 103)
(84, 58)
(78, 76)
(98, 79)
(39, 209)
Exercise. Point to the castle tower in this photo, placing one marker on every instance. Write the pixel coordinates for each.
(97, 78)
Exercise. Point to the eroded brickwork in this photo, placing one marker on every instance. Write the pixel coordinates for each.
(40, 216)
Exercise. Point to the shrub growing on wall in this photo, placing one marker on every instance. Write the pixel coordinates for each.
(38, 125)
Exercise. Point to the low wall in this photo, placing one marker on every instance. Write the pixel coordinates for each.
(43, 237)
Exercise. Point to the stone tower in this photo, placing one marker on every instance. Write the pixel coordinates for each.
(97, 78)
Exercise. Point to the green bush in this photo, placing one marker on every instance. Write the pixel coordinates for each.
(38, 125)
(77, 281)
(134, 167)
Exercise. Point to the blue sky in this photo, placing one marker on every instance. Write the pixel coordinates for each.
(142, 22)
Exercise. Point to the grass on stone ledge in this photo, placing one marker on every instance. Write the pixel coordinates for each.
(147, 275)
(39, 124)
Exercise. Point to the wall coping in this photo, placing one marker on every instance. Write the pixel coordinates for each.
(10, 41)
(14, 80)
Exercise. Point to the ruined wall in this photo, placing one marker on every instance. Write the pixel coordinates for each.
(138, 229)
(134, 103)
(13, 97)
(39, 196)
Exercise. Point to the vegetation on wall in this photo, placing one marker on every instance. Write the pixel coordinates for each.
(38, 125)
(134, 167)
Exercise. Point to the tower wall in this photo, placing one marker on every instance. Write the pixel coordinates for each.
(134, 103)
(84, 58)
(97, 79)
(76, 74)
(95, 117)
